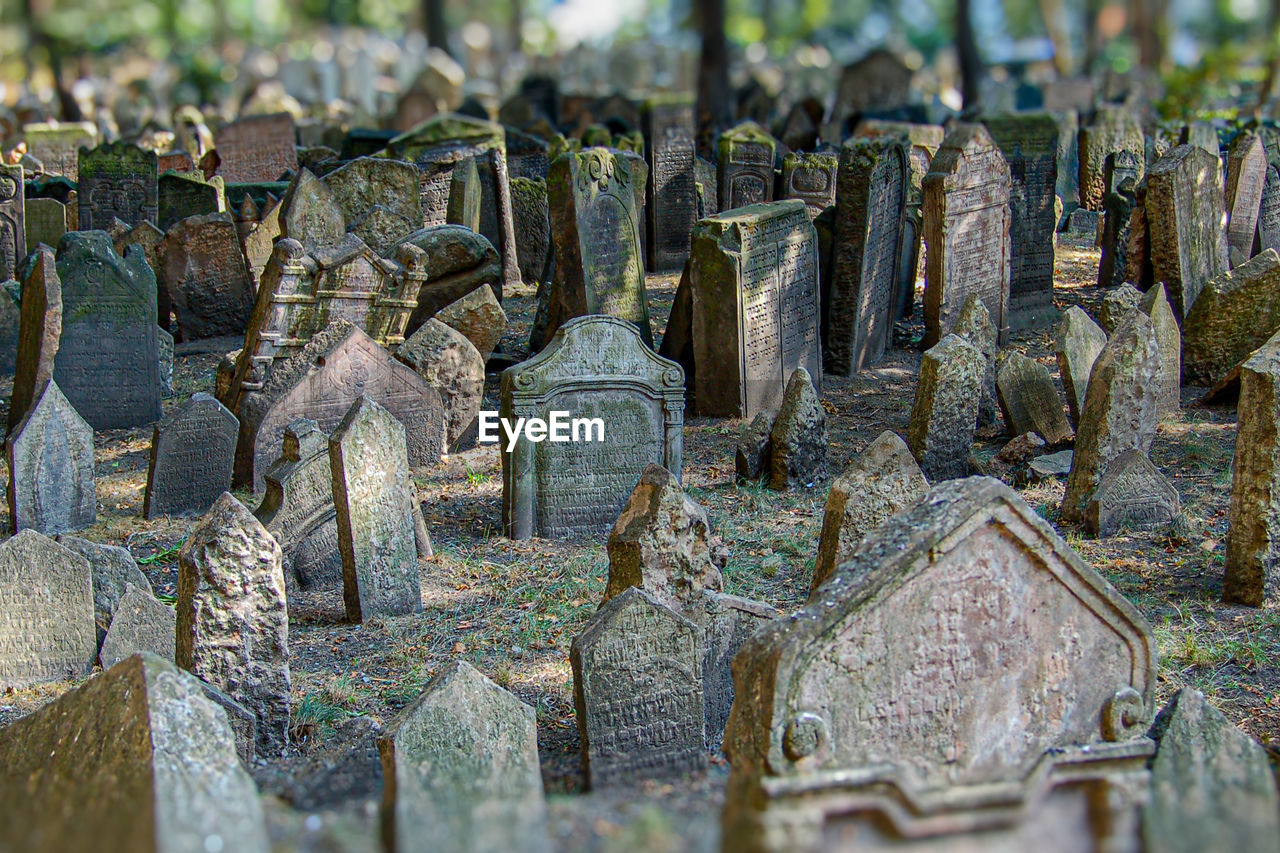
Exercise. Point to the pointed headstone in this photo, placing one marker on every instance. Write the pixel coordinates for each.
(206, 278)
(1029, 401)
(39, 330)
(1246, 178)
(193, 452)
(140, 624)
(50, 455)
(310, 213)
(1253, 537)
(798, 440)
(1186, 223)
(945, 411)
(448, 362)
(1155, 305)
(1079, 340)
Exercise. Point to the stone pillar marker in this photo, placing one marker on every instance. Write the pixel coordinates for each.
(1079, 340)
(671, 205)
(1246, 178)
(945, 412)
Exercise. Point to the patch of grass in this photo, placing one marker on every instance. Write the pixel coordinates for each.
(313, 715)
(475, 477)
(163, 556)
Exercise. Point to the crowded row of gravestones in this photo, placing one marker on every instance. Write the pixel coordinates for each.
(959, 675)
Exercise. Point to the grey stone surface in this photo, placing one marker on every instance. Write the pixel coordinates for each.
(1185, 220)
(1116, 305)
(479, 317)
(1246, 179)
(116, 180)
(450, 363)
(798, 439)
(1029, 401)
(753, 453)
(974, 325)
(671, 202)
(39, 330)
(140, 624)
(50, 456)
(192, 455)
(1234, 315)
(257, 148)
(113, 570)
(1132, 494)
(945, 410)
(1079, 340)
(1253, 537)
(206, 278)
(1155, 305)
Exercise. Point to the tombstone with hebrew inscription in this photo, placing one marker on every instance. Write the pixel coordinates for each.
(257, 148)
(870, 204)
(744, 169)
(1268, 212)
(671, 204)
(965, 661)
(117, 181)
(620, 407)
(1113, 131)
(205, 277)
(812, 179)
(1185, 222)
(755, 317)
(1246, 177)
(13, 225)
(108, 361)
(192, 453)
(966, 231)
(50, 455)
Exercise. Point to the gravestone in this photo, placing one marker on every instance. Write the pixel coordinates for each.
(1184, 212)
(47, 627)
(1235, 314)
(798, 440)
(13, 224)
(164, 349)
(50, 455)
(1029, 143)
(1252, 538)
(727, 622)
(117, 180)
(1268, 213)
(527, 155)
(945, 411)
(1120, 411)
(114, 571)
(671, 201)
(256, 148)
(860, 304)
(637, 687)
(461, 770)
(1068, 156)
(1078, 342)
(140, 624)
(147, 760)
(598, 266)
(1114, 130)
(183, 194)
(45, 220)
(965, 661)
(880, 482)
(107, 361)
(233, 626)
(1155, 305)
(205, 277)
(479, 317)
(1116, 305)
(334, 369)
(298, 508)
(975, 326)
(754, 452)
(1132, 494)
(57, 145)
(463, 207)
(193, 451)
(596, 368)
(310, 213)
(878, 82)
(39, 329)
(1029, 401)
(754, 286)
(533, 226)
(966, 231)
(810, 178)
(151, 239)
(449, 363)
(744, 166)
(1116, 236)
(1246, 178)
(10, 320)
(364, 183)
(372, 494)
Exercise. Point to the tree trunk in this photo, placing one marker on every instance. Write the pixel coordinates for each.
(517, 26)
(1147, 25)
(1055, 25)
(433, 22)
(970, 60)
(1269, 83)
(715, 98)
(1092, 40)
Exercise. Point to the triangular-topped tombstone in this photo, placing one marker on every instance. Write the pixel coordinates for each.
(964, 670)
(310, 213)
(50, 454)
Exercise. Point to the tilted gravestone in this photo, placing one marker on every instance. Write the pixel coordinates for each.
(744, 168)
(859, 302)
(310, 213)
(1029, 142)
(596, 369)
(47, 624)
(39, 330)
(57, 145)
(149, 761)
(1132, 494)
(1078, 342)
(966, 230)
(1246, 178)
(233, 625)
(193, 451)
(1268, 212)
(184, 194)
(1113, 268)
(671, 205)
(1234, 315)
(108, 360)
(10, 321)
(945, 411)
(755, 317)
(141, 623)
(13, 224)
(367, 182)
(810, 178)
(50, 456)
(1114, 130)
(114, 570)
(975, 326)
(1011, 701)
(205, 277)
(117, 180)
(798, 439)
(151, 239)
(461, 770)
(1184, 211)
(464, 198)
(449, 363)
(637, 686)
(257, 148)
(1155, 304)
(479, 317)
(1029, 401)
(375, 511)
(331, 372)
(599, 269)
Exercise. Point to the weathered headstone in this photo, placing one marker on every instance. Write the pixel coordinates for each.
(193, 451)
(151, 239)
(56, 145)
(1116, 236)
(1079, 340)
(882, 481)
(859, 302)
(1185, 221)
(140, 624)
(1155, 305)
(810, 178)
(479, 317)
(637, 686)
(461, 770)
(257, 148)
(449, 363)
(798, 440)
(755, 318)
(975, 326)
(47, 627)
(164, 354)
(744, 169)
(1116, 305)
(1114, 130)
(945, 412)
(233, 626)
(114, 570)
(1029, 401)
(310, 213)
(1268, 213)
(464, 197)
(371, 493)
(1246, 178)
(878, 82)
(183, 194)
(533, 226)
(1235, 313)
(966, 230)
(13, 227)
(107, 362)
(298, 508)
(117, 180)
(39, 328)
(147, 760)
(367, 182)
(671, 200)
(754, 449)
(50, 456)
(1132, 494)
(205, 277)
(45, 220)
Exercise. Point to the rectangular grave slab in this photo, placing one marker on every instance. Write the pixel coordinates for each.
(56, 146)
(192, 454)
(257, 148)
(13, 227)
(117, 181)
(744, 169)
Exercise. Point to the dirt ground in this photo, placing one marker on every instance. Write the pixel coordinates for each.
(512, 608)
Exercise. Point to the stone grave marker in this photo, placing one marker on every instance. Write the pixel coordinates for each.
(798, 439)
(114, 570)
(310, 214)
(596, 368)
(1116, 305)
(372, 495)
(193, 451)
(1113, 130)
(1132, 494)
(257, 148)
(366, 182)
(1155, 305)
(298, 508)
(479, 317)
(637, 686)
(753, 454)
(140, 624)
(461, 770)
(1184, 212)
(57, 145)
(13, 226)
(810, 178)
(1252, 538)
(47, 627)
(1268, 212)
(464, 197)
(449, 363)
(860, 304)
(671, 200)
(878, 82)
(744, 166)
(945, 411)
(1114, 265)
(975, 326)
(1068, 156)
(107, 361)
(969, 703)
(966, 230)
(45, 221)
(533, 226)
(1028, 400)
(527, 155)
(10, 320)
(1078, 342)
(117, 180)
(205, 277)
(1234, 315)
(50, 456)
(183, 194)
(755, 317)
(233, 626)
(1246, 178)
(151, 239)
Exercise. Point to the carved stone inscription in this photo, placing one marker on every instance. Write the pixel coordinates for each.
(192, 453)
(257, 149)
(13, 227)
(812, 179)
(117, 181)
(672, 200)
(1269, 212)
